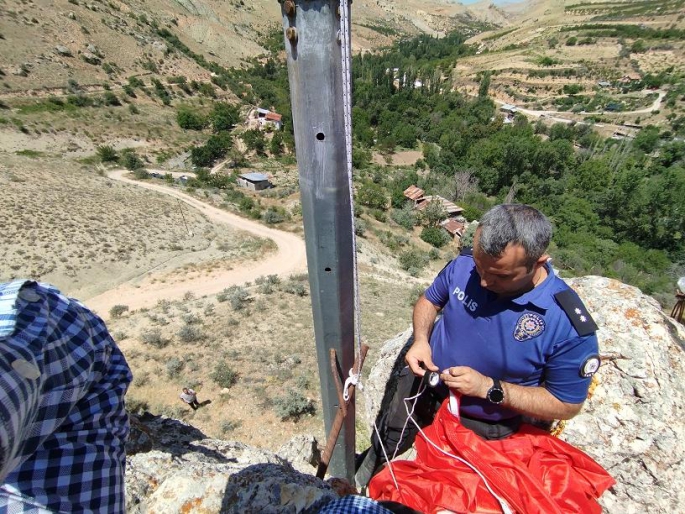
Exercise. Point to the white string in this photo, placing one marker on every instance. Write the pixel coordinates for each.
(506, 509)
(345, 45)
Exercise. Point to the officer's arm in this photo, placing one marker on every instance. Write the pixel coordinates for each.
(424, 316)
(537, 402)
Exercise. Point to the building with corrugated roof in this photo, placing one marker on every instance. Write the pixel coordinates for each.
(254, 181)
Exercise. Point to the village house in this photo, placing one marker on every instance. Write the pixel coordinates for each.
(630, 77)
(452, 209)
(266, 118)
(254, 181)
(454, 224)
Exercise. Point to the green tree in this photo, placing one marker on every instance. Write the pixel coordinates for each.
(254, 140)
(433, 213)
(435, 236)
(276, 144)
(224, 116)
(130, 160)
(647, 139)
(372, 195)
(190, 120)
(484, 85)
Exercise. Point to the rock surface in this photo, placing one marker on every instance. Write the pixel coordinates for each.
(633, 424)
(173, 467)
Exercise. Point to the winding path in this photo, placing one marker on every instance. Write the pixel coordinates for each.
(550, 114)
(290, 257)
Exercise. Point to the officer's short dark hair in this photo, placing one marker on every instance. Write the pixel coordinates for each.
(515, 224)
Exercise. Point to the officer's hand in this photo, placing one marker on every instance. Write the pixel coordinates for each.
(420, 353)
(466, 381)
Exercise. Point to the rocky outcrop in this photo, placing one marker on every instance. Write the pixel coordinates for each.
(173, 467)
(633, 424)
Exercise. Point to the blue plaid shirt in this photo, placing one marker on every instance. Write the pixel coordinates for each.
(63, 425)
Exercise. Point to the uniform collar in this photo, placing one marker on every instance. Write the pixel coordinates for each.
(9, 292)
(540, 295)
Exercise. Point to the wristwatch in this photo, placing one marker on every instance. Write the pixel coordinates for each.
(495, 393)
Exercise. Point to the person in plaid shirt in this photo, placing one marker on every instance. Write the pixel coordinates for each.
(63, 425)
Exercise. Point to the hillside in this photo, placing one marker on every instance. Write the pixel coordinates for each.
(90, 88)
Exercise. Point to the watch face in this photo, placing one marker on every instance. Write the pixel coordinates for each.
(496, 395)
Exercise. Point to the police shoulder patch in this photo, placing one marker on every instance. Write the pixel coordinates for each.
(579, 316)
(589, 366)
(528, 326)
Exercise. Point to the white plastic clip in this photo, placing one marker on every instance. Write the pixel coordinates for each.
(353, 379)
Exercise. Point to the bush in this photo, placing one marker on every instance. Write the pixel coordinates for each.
(359, 227)
(188, 120)
(404, 217)
(107, 154)
(174, 367)
(295, 288)
(293, 406)
(272, 216)
(154, 338)
(117, 311)
(189, 333)
(130, 160)
(223, 375)
(435, 236)
(371, 195)
(110, 98)
(413, 258)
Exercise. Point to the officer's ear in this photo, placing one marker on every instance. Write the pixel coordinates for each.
(541, 261)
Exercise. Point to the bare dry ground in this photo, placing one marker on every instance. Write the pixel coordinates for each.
(64, 223)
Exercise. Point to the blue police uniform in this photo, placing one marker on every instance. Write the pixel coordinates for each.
(544, 337)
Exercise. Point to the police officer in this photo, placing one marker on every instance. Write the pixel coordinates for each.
(513, 339)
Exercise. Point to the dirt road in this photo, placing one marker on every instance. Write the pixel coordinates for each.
(146, 291)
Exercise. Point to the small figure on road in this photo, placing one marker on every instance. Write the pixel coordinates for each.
(190, 397)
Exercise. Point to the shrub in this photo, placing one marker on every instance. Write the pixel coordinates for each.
(359, 227)
(130, 160)
(272, 216)
(223, 375)
(107, 153)
(141, 174)
(109, 98)
(189, 120)
(372, 195)
(295, 288)
(154, 338)
(435, 236)
(228, 425)
(189, 333)
(174, 367)
(192, 319)
(413, 258)
(293, 405)
(404, 217)
(117, 311)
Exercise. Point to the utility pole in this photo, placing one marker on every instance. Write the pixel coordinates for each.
(313, 46)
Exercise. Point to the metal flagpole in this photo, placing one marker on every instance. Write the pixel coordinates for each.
(312, 31)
